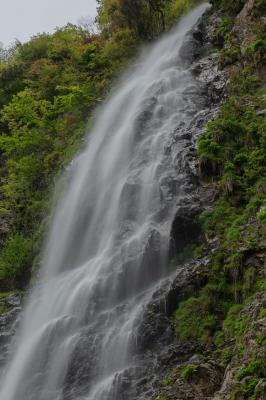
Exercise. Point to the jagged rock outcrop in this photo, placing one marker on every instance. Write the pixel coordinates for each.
(235, 368)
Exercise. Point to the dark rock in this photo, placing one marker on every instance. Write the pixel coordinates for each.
(8, 324)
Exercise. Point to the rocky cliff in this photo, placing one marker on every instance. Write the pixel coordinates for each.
(216, 303)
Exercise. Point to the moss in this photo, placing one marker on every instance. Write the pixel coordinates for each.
(229, 56)
(261, 215)
(259, 392)
(227, 355)
(248, 387)
(248, 378)
(219, 338)
(257, 45)
(241, 349)
(16, 257)
(188, 372)
(166, 381)
(255, 367)
(4, 295)
(261, 340)
(194, 320)
(235, 324)
(222, 32)
(262, 313)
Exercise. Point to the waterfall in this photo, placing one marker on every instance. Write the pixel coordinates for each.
(108, 245)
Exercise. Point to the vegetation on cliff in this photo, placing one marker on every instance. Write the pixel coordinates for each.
(226, 317)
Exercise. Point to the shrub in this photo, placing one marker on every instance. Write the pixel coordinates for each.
(193, 320)
(235, 324)
(15, 257)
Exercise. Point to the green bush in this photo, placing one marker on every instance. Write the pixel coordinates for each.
(235, 324)
(194, 321)
(15, 257)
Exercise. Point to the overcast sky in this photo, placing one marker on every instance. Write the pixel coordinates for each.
(21, 19)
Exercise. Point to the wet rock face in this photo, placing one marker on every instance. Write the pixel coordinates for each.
(11, 307)
(185, 229)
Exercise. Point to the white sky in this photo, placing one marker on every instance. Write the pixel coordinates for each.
(21, 19)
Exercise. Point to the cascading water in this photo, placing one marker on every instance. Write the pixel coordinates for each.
(109, 242)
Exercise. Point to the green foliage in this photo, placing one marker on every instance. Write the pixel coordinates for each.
(235, 323)
(219, 338)
(166, 381)
(222, 32)
(227, 355)
(257, 45)
(194, 319)
(48, 90)
(261, 340)
(254, 367)
(241, 349)
(262, 313)
(188, 372)
(248, 387)
(232, 152)
(15, 257)
(262, 215)
(229, 56)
